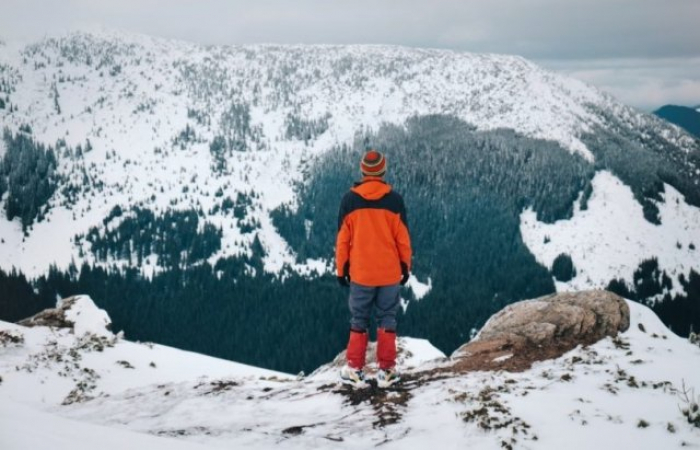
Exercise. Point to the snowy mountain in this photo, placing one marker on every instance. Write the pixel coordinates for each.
(187, 175)
(152, 108)
(75, 389)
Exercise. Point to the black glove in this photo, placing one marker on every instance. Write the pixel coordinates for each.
(405, 273)
(344, 281)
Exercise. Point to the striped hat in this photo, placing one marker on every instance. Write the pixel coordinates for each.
(373, 164)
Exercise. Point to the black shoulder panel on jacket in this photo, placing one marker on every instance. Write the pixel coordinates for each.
(352, 201)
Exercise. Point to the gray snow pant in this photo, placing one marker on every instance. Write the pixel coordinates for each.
(363, 298)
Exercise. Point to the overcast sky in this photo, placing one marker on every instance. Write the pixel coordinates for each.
(645, 52)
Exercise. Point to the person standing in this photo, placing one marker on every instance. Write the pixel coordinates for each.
(373, 258)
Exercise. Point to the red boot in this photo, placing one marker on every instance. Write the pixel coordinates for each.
(386, 348)
(357, 348)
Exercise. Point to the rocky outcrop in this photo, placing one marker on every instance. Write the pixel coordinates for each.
(54, 317)
(543, 328)
(585, 316)
(78, 313)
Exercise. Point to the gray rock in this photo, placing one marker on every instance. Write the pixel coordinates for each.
(548, 326)
(53, 317)
(587, 316)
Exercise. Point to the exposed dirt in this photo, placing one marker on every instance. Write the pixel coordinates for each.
(8, 338)
(217, 387)
(388, 403)
(299, 429)
(509, 355)
(48, 318)
(193, 431)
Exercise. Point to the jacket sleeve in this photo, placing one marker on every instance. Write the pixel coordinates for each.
(403, 238)
(342, 242)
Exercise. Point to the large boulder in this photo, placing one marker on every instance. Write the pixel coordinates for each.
(544, 328)
(584, 316)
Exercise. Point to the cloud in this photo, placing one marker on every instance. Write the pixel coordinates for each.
(644, 83)
(571, 29)
(656, 34)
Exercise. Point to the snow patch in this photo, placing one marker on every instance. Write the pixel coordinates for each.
(87, 318)
(23, 427)
(419, 289)
(502, 358)
(417, 352)
(611, 238)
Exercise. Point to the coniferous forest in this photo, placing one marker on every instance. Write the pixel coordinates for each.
(464, 190)
(27, 174)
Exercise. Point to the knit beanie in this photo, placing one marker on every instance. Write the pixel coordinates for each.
(373, 164)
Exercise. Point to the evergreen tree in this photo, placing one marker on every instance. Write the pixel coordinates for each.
(563, 268)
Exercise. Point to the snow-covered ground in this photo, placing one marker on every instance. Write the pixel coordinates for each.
(613, 237)
(622, 392)
(24, 427)
(53, 362)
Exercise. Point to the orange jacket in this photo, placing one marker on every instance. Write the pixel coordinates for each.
(373, 237)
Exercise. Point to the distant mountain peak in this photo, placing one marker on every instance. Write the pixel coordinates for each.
(685, 117)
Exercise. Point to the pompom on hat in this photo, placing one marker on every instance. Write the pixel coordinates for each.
(373, 164)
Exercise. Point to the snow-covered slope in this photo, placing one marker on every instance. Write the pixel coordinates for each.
(150, 109)
(628, 391)
(61, 365)
(23, 427)
(612, 237)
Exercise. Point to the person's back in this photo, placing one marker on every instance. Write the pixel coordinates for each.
(373, 257)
